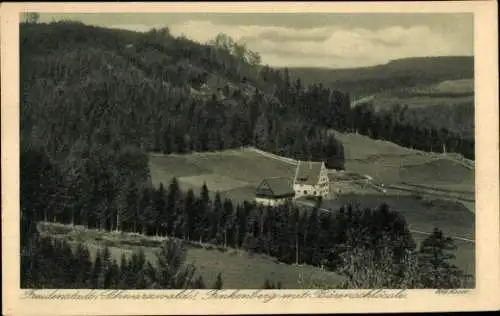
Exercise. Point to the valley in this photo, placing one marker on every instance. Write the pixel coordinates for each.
(429, 190)
(110, 117)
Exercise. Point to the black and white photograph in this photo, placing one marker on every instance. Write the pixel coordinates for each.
(210, 151)
(247, 151)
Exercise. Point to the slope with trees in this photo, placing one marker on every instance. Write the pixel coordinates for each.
(396, 74)
(94, 102)
(337, 242)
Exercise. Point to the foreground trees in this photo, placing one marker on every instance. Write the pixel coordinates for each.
(435, 265)
(52, 263)
(369, 247)
(89, 117)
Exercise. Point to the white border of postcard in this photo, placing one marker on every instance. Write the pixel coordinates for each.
(75, 302)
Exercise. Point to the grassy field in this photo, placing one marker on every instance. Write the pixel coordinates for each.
(431, 186)
(419, 100)
(239, 268)
(393, 164)
(449, 92)
(451, 87)
(423, 215)
(440, 171)
(420, 172)
(234, 173)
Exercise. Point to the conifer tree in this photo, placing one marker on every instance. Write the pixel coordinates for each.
(85, 266)
(96, 271)
(160, 210)
(199, 283)
(217, 214)
(133, 208)
(218, 282)
(170, 270)
(147, 215)
(267, 284)
(111, 277)
(124, 272)
(190, 216)
(173, 198)
(435, 265)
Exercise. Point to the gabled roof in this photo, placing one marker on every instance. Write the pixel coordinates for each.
(308, 172)
(275, 187)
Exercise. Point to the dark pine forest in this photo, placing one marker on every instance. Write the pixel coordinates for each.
(95, 101)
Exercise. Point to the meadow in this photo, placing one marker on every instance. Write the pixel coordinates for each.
(420, 100)
(392, 164)
(239, 269)
(429, 190)
(234, 173)
(460, 87)
(444, 93)
(422, 216)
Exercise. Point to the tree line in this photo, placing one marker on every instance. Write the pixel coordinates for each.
(347, 241)
(141, 97)
(457, 118)
(48, 262)
(396, 125)
(100, 94)
(95, 101)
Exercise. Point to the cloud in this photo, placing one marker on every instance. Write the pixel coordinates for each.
(135, 27)
(289, 35)
(329, 46)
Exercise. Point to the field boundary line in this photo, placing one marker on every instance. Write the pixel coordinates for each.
(274, 156)
(411, 230)
(452, 237)
(431, 192)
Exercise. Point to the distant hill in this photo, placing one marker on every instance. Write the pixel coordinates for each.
(436, 90)
(400, 73)
(448, 104)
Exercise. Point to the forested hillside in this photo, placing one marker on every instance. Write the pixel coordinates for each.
(456, 118)
(95, 101)
(444, 87)
(113, 86)
(396, 74)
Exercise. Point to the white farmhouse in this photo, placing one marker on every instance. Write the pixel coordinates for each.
(311, 179)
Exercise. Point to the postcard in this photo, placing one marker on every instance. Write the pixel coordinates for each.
(249, 158)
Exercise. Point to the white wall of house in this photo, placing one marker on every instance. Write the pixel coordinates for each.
(270, 202)
(312, 190)
(324, 181)
(322, 188)
(304, 189)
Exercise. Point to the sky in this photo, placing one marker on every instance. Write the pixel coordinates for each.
(327, 40)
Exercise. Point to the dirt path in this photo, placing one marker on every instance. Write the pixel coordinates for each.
(289, 161)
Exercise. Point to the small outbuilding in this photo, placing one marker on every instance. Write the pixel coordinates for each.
(274, 191)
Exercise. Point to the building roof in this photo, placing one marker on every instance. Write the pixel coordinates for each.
(275, 187)
(308, 172)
